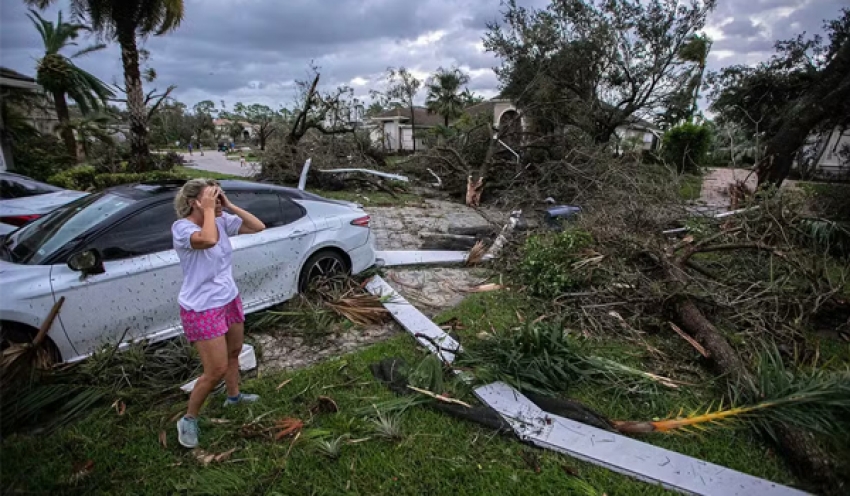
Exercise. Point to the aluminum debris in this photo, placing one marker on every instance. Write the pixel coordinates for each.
(302, 181)
(415, 322)
(247, 361)
(385, 175)
(622, 454)
(419, 257)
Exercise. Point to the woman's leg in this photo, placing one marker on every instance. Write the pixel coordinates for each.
(214, 358)
(235, 337)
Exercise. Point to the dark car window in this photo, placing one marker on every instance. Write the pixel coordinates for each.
(291, 210)
(21, 187)
(266, 206)
(148, 231)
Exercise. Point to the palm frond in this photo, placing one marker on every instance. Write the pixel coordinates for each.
(87, 50)
(815, 400)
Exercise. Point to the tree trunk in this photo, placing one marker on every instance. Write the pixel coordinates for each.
(64, 117)
(412, 126)
(819, 104)
(800, 448)
(135, 99)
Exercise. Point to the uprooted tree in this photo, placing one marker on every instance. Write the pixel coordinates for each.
(317, 115)
(803, 90)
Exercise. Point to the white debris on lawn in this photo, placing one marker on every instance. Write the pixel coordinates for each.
(415, 322)
(622, 454)
(385, 175)
(616, 452)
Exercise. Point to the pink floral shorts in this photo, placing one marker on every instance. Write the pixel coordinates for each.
(212, 323)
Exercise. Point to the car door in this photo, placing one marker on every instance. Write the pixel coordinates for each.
(137, 293)
(266, 264)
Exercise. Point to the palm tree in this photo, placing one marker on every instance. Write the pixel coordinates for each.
(91, 128)
(124, 21)
(445, 97)
(59, 76)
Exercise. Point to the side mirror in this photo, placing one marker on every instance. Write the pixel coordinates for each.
(88, 262)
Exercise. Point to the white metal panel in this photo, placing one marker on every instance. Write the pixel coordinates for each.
(620, 453)
(416, 257)
(414, 321)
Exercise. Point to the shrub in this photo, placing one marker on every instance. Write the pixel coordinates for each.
(86, 177)
(687, 146)
(167, 161)
(547, 262)
(40, 156)
(80, 177)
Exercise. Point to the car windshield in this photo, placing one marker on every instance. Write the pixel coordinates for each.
(38, 240)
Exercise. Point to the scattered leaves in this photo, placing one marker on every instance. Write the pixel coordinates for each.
(163, 439)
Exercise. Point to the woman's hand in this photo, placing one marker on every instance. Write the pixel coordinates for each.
(225, 202)
(207, 199)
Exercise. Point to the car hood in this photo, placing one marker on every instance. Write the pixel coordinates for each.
(39, 204)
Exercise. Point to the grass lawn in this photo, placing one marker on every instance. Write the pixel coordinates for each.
(436, 454)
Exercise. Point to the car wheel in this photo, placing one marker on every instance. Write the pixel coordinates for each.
(322, 266)
(13, 333)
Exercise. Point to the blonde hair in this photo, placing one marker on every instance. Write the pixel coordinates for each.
(184, 201)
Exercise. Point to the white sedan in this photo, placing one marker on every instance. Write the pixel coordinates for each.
(110, 255)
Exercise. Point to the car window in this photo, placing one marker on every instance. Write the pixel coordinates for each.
(266, 206)
(291, 210)
(148, 231)
(21, 187)
(43, 237)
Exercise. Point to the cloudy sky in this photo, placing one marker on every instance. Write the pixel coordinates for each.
(253, 50)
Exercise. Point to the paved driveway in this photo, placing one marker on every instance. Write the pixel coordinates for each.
(217, 162)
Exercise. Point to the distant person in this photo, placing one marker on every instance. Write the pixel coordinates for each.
(200, 149)
(242, 159)
(190, 148)
(232, 146)
(210, 305)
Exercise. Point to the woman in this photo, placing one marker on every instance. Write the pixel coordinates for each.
(210, 307)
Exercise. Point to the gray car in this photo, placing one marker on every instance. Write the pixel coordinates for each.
(23, 200)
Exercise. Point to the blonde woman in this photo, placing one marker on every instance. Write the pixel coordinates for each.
(210, 307)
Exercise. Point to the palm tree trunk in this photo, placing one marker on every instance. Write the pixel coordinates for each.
(135, 100)
(64, 117)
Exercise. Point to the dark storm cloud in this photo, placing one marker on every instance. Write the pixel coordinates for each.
(253, 50)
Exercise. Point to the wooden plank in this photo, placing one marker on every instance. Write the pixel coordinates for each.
(620, 453)
(414, 321)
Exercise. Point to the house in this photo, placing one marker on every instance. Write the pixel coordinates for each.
(392, 128)
(637, 134)
(41, 117)
(393, 131)
(222, 129)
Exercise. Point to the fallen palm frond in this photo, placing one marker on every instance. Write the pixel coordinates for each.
(544, 358)
(56, 397)
(362, 309)
(476, 253)
(814, 400)
(21, 358)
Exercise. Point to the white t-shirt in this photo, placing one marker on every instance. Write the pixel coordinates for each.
(207, 274)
